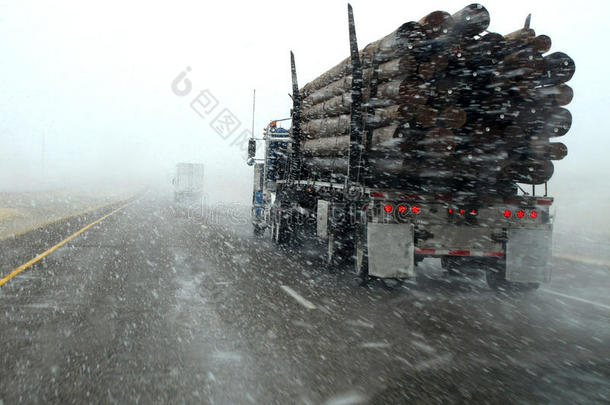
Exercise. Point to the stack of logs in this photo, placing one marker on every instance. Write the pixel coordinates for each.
(444, 98)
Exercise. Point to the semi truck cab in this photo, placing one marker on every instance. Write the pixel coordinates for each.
(268, 170)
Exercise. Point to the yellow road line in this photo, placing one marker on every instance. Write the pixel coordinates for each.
(60, 244)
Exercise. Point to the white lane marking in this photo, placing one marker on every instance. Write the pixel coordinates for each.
(597, 304)
(375, 345)
(586, 260)
(229, 245)
(347, 398)
(227, 356)
(298, 298)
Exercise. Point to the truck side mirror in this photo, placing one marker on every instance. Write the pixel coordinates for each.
(251, 148)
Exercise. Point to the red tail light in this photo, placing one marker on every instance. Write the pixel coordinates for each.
(473, 212)
(450, 210)
(415, 209)
(461, 212)
(387, 208)
(401, 209)
(534, 214)
(507, 213)
(520, 214)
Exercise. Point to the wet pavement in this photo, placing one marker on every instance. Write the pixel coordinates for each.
(164, 304)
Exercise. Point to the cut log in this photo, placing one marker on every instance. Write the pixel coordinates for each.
(470, 21)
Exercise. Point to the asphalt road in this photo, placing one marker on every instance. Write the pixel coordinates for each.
(163, 304)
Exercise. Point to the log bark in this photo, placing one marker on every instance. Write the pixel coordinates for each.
(436, 23)
(559, 95)
(392, 46)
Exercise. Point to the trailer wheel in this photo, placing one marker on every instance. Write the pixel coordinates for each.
(283, 233)
(495, 279)
(460, 266)
(258, 231)
(391, 283)
(340, 247)
(450, 266)
(336, 250)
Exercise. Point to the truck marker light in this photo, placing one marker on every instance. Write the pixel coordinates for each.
(473, 212)
(461, 212)
(520, 214)
(401, 209)
(534, 214)
(415, 209)
(450, 210)
(507, 213)
(387, 208)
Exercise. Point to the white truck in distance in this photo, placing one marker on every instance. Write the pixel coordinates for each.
(188, 181)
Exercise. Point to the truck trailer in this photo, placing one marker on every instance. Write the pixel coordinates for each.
(188, 182)
(385, 202)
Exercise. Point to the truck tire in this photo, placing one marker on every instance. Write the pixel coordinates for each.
(460, 266)
(449, 266)
(258, 231)
(283, 232)
(340, 248)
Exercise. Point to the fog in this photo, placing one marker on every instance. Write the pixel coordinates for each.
(87, 86)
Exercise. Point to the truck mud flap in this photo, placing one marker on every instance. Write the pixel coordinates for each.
(528, 255)
(390, 250)
(322, 219)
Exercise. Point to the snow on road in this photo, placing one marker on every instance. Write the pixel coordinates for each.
(21, 212)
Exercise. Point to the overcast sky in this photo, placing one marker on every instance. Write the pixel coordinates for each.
(86, 85)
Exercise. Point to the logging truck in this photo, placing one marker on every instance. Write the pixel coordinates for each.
(361, 167)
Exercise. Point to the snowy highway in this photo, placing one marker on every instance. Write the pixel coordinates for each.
(161, 304)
